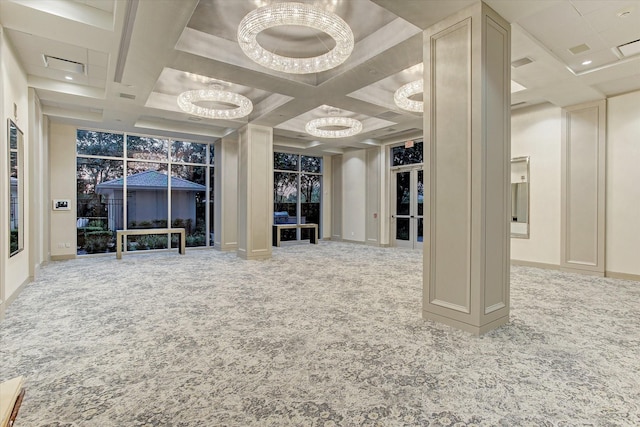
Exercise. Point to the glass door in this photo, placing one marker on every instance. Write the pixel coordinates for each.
(407, 212)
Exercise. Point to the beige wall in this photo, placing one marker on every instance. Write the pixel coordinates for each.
(13, 85)
(536, 132)
(623, 185)
(354, 176)
(327, 179)
(62, 185)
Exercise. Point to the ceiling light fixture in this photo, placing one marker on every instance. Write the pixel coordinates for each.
(187, 103)
(68, 78)
(587, 62)
(304, 15)
(401, 97)
(318, 127)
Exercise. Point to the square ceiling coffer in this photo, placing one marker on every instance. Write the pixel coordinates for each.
(62, 64)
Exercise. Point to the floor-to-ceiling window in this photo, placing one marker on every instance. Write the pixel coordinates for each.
(132, 181)
(297, 182)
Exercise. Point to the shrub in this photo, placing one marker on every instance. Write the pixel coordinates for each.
(152, 241)
(97, 224)
(195, 240)
(97, 241)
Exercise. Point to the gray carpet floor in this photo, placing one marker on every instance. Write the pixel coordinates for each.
(319, 335)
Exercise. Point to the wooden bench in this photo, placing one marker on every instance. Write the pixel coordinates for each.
(278, 227)
(121, 240)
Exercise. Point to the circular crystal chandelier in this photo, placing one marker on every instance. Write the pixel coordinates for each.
(317, 127)
(304, 15)
(401, 97)
(187, 103)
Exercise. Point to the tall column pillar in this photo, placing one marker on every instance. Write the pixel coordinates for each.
(255, 192)
(467, 152)
(225, 219)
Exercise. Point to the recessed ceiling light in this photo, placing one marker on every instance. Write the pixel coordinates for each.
(68, 77)
(587, 62)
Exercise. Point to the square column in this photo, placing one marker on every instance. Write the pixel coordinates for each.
(467, 138)
(255, 192)
(225, 220)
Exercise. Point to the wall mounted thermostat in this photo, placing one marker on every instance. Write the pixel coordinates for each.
(61, 204)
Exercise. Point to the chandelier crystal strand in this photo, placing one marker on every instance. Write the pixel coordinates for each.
(187, 103)
(300, 14)
(401, 97)
(316, 127)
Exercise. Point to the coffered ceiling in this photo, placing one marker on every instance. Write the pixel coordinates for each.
(134, 57)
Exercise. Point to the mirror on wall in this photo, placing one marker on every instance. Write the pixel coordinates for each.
(520, 197)
(16, 190)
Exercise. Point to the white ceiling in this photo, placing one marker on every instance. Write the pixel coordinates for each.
(140, 54)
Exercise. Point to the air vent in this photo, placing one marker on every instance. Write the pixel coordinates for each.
(581, 48)
(387, 115)
(62, 64)
(127, 96)
(518, 103)
(630, 49)
(522, 61)
(192, 118)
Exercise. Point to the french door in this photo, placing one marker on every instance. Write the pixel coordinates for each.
(407, 210)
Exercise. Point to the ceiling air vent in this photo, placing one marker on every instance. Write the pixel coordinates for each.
(630, 49)
(581, 48)
(127, 96)
(62, 64)
(522, 61)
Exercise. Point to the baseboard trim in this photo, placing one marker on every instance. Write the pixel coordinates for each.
(580, 271)
(6, 303)
(65, 257)
(356, 242)
(623, 276)
(535, 264)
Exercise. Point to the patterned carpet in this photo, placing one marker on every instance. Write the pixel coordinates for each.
(326, 335)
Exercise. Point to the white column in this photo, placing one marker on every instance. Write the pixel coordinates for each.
(583, 188)
(467, 156)
(225, 219)
(255, 192)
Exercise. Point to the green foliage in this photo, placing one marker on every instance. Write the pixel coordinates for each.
(97, 223)
(151, 241)
(99, 143)
(13, 244)
(183, 223)
(97, 241)
(190, 152)
(193, 240)
(160, 223)
(407, 156)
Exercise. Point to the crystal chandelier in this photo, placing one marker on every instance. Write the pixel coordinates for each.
(300, 14)
(401, 97)
(187, 103)
(318, 127)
